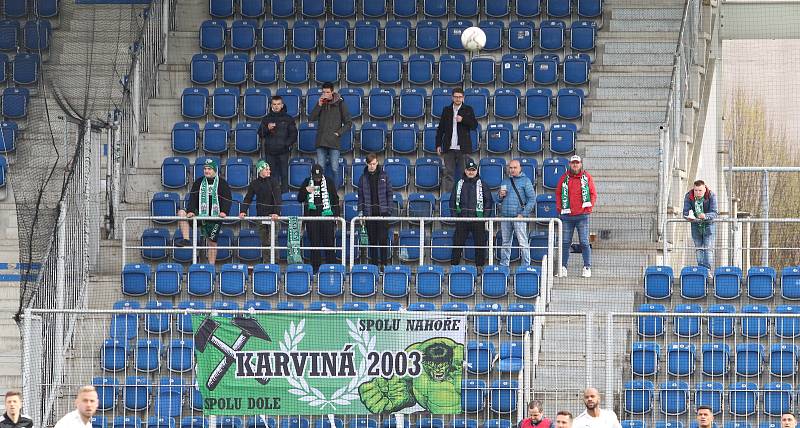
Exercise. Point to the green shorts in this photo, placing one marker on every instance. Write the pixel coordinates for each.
(210, 229)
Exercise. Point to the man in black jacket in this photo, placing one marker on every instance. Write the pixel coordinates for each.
(453, 141)
(267, 193)
(319, 198)
(279, 133)
(471, 198)
(13, 417)
(333, 121)
(210, 197)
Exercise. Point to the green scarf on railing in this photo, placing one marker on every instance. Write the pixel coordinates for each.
(698, 209)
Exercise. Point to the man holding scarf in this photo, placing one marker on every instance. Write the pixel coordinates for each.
(575, 197)
(319, 198)
(210, 197)
(700, 208)
(471, 198)
(267, 193)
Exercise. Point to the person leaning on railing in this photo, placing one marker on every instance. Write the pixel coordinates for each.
(375, 200)
(700, 208)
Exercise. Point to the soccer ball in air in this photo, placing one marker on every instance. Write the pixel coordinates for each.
(473, 39)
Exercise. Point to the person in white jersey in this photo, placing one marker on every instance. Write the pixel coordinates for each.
(85, 407)
(594, 416)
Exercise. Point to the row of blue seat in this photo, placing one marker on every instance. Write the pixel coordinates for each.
(24, 68)
(15, 103)
(244, 35)
(751, 359)
(405, 8)
(167, 395)
(125, 327)
(389, 69)
(638, 423)
(299, 280)
(727, 282)
(226, 103)
(403, 138)
(8, 136)
(743, 397)
(35, 35)
(102, 421)
(720, 327)
(19, 9)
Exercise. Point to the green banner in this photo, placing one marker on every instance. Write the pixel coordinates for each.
(316, 364)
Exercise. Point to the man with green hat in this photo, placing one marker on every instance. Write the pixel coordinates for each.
(267, 192)
(210, 197)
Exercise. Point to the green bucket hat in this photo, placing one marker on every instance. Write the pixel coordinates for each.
(261, 165)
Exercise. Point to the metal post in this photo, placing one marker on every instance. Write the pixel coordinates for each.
(116, 178)
(550, 254)
(491, 240)
(343, 249)
(271, 235)
(194, 240)
(165, 28)
(589, 351)
(609, 360)
(765, 214)
(58, 363)
(748, 244)
(136, 104)
(352, 242)
(422, 242)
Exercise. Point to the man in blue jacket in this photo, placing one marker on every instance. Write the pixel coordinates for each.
(700, 208)
(517, 199)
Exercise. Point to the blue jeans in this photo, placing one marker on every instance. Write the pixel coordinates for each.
(332, 155)
(581, 222)
(508, 229)
(704, 242)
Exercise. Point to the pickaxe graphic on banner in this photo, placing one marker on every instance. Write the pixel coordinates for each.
(249, 327)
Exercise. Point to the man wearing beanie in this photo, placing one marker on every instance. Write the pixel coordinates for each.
(267, 193)
(279, 133)
(471, 198)
(319, 198)
(210, 197)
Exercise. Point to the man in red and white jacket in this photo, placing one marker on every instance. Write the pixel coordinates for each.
(575, 198)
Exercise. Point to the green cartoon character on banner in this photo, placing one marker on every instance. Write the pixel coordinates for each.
(437, 389)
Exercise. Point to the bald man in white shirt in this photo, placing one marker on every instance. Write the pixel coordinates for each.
(594, 416)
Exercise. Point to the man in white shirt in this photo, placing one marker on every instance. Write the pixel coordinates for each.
(564, 419)
(85, 407)
(453, 141)
(594, 416)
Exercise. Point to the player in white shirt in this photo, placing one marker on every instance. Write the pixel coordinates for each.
(594, 416)
(85, 407)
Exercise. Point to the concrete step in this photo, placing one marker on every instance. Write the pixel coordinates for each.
(618, 152)
(626, 116)
(617, 47)
(172, 79)
(192, 13)
(182, 45)
(162, 113)
(645, 25)
(637, 59)
(642, 166)
(654, 12)
(635, 94)
(609, 185)
(624, 128)
(155, 147)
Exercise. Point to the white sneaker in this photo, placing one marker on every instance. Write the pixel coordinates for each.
(562, 273)
(587, 272)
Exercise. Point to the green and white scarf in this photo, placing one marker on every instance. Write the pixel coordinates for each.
(293, 242)
(698, 209)
(206, 190)
(326, 198)
(479, 197)
(586, 197)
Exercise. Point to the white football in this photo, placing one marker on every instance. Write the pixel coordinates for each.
(473, 39)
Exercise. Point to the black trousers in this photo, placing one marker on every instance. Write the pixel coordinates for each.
(478, 231)
(377, 231)
(279, 165)
(321, 234)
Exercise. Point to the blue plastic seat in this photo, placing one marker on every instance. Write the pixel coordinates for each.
(365, 34)
(514, 69)
(343, 9)
(492, 171)
(479, 357)
(126, 422)
(478, 99)
(245, 138)
(389, 69)
(506, 103)
(4, 61)
(296, 68)
(147, 355)
(373, 135)
(427, 172)
(114, 355)
(238, 172)
(462, 281)
(529, 138)
(778, 398)
(716, 359)
(273, 34)
(290, 306)
(440, 98)
(503, 396)
(526, 282)
(194, 102)
(243, 35)
(576, 69)
(397, 169)
(220, 8)
(639, 396)
(233, 279)
(201, 278)
(185, 137)
(330, 281)
(358, 69)
(304, 35)
(364, 280)
(185, 320)
(651, 326)
(742, 398)
(453, 33)
(546, 206)
(755, 328)
(473, 394)
(562, 138)
(412, 103)
(693, 282)
(181, 355)
(157, 238)
(761, 282)
(404, 138)
(569, 103)
(135, 279)
(521, 33)
(559, 8)
(299, 170)
(252, 8)
(212, 34)
(434, 8)
(335, 35)
(420, 68)
(194, 421)
(519, 325)
(234, 68)
(583, 35)
(380, 106)
(783, 359)
(9, 35)
(224, 305)
(552, 171)
(396, 280)
(590, 8)
(312, 9)
(24, 68)
(397, 35)
(510, 357)
(709, 394)
(498, 137)
(494, 30)
(727, 282)
(790, 283)
(168, 279)
(37, 35)
(680, 359)
(157, 323)
(107, 388)
(421, 307)
(658, 282)
(644, 358)
(405, 8)
(673, 397)
(429, 281)
(787, 328)
(720, 327)
(537, 103)
(687, 326)
(545, 69)
(229, 422)
(750, 359)
(442, 242)
(15, 103)
(264, 72)
(451, 69)
(428, 35)
(215, 137)
(297, 279)
(487, 325)
(551, 35)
